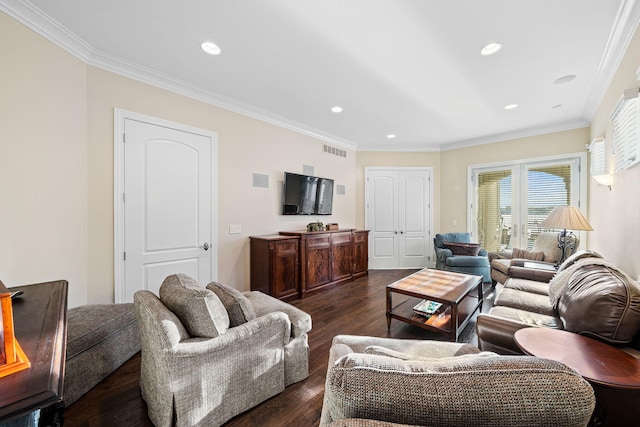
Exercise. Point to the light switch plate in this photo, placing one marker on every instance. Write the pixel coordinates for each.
(235, 229)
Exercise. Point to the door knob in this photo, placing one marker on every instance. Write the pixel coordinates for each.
(205, 246)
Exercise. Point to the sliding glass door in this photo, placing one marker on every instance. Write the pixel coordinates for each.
(510, 201)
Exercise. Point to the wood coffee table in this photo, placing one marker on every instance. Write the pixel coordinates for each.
(454, 290)
(613, 373)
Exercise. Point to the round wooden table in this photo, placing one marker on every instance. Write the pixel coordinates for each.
(613, 373)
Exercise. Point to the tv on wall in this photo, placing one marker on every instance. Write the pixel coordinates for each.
(307, 195)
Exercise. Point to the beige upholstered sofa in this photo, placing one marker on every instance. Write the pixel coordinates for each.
(211, 353)
(511, 262)
(390, 382)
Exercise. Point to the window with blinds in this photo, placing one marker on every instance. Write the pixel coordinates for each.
(598, 157)
(626, 130)
(547, 187)
(509, 202)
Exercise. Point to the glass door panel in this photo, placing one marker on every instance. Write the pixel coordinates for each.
(547, 185)
(494, 203)
(510, 201)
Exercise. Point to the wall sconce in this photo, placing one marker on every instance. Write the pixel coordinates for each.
(605, 179)
(598, 162)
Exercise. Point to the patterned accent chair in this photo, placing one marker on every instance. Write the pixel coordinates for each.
(387, 382)
(209, 354)
(466, 264)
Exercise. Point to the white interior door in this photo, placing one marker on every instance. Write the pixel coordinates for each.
(414, 240)
(382, 218)
(398, 215)
(167, 206)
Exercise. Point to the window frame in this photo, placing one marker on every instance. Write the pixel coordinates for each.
(625, 122)
(520, 165)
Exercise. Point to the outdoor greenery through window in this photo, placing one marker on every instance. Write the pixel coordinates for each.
(510, 202)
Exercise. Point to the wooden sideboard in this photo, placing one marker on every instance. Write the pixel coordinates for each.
(294, 264)
(40, 319)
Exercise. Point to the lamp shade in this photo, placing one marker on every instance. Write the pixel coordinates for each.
(567, 218)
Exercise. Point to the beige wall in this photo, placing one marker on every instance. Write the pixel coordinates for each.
(454, 167)
(451, 168)
(615, 214)
(43, 162)
(396, 159)
(245, 146)
(56, 166)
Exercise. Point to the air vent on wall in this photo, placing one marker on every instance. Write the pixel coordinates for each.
(333, 150)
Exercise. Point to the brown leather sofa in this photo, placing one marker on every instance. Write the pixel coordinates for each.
(588, 296)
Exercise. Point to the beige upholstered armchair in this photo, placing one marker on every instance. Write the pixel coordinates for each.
(211, 353)
(391, 382)
(545, 253)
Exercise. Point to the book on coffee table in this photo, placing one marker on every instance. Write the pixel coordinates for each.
(426, 307)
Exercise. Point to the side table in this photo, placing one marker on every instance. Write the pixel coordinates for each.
(613, 373)
(40, 319)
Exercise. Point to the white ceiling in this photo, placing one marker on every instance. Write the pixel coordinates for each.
(407, 67)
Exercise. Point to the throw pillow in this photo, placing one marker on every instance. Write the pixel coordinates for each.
(525, 254)
(383, 351)
(602, 302)
(462, 248)
(198, 308)
(238, 306)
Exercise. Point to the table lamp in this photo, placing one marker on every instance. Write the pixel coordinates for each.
(566, 217)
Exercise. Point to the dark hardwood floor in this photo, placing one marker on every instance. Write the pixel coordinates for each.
(356, 308)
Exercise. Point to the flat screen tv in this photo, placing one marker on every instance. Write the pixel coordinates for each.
(307, 195)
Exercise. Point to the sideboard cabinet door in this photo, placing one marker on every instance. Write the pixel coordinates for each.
(341, 256)
(360, 253)
(318, 260)
(275, 266)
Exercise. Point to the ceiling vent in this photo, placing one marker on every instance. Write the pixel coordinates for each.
(335, 151)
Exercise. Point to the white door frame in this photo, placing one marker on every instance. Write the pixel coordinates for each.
(519, 166)
(119, 117)
(367, 226)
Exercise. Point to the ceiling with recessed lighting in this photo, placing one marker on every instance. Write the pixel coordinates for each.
(408, 68)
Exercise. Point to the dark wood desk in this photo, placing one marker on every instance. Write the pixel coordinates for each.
(40, 322)
(613, 373)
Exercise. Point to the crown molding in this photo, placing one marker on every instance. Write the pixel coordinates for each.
(489, 139)
(29, 15)
(418, 148)
(163, 81)
(42, 24)
(621, 34)
(32, 17)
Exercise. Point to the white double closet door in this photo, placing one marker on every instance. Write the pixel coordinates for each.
(398, 214)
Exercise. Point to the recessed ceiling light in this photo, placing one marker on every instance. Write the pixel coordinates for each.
(510, 106)
(337, 109)
(211, 48)
(490, 49)
(391, 136)
(565, 79)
